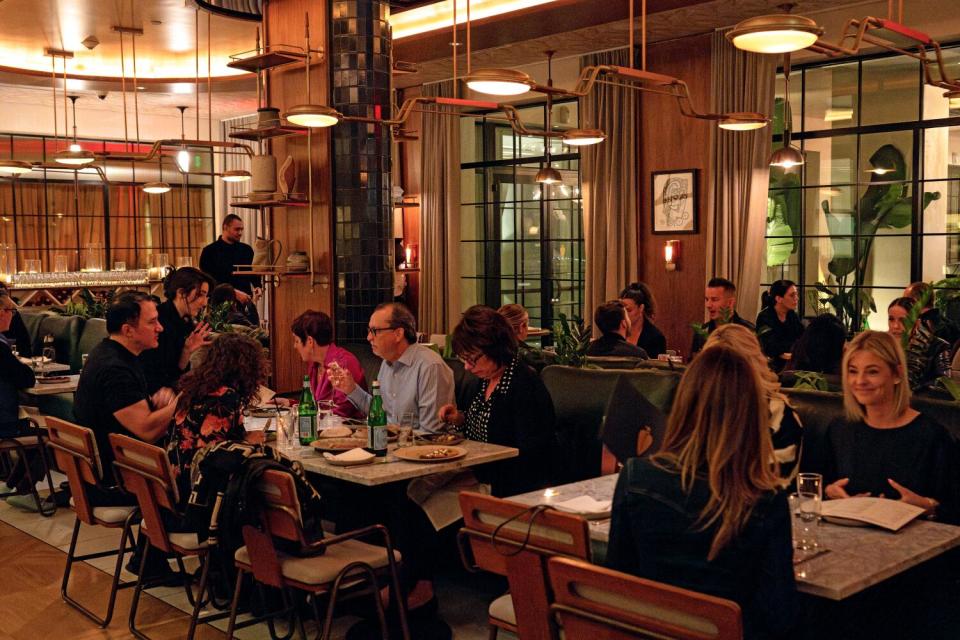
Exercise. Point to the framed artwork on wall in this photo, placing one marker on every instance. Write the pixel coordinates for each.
(674, 201)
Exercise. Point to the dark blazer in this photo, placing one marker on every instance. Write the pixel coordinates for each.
(655, 534)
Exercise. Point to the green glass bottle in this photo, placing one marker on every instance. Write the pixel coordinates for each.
(377, 424)
(307, 412)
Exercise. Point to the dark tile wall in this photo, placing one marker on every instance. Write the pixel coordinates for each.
(363, 230)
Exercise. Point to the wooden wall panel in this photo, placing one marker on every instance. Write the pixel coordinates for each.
(284, 24)
(671, 141)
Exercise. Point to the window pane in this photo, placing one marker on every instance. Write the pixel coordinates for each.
(830, 160)
(795, 103)
(886, 156)
(942, 212)
(941, 257)
(891, 90)
(829, 260)
(941, 153)
(885, 207)
(934, 104)
(831, 97)
(888, 264)
(838, 201)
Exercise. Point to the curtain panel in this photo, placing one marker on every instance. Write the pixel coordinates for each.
(740, 81)
(439, 308)
(609, 174)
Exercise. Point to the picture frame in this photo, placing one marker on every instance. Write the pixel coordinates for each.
(674, 203)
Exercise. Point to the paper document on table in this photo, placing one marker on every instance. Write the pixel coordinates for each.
(264, 395)
(881, 512)
(585, 506)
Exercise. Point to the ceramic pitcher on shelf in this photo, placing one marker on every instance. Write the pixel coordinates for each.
(266, 252)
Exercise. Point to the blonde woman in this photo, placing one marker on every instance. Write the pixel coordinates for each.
(885, 447)
(786, 429)
(519, 318)
(704, 513)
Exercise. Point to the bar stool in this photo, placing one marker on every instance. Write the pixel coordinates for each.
(75, 449)
(333, 564)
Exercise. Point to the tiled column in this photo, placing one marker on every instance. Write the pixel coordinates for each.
(363, 238)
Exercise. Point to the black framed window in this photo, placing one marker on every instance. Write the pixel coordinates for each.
(876, 205)
(521, 242)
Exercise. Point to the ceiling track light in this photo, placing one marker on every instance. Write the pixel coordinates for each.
(14, 167)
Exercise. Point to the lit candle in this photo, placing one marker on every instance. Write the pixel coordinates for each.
(408, 253)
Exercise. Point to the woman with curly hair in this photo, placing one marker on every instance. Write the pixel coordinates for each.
(212, 397)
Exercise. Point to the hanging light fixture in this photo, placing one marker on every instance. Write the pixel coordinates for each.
(780, 33)
(235, 175)
(14, 167)
(788, 156)
(548, 175)
(499, 82)
(183, 155)
(311, 115)
(75, 155)
(742, 121)
(156, 187)
(583, 137)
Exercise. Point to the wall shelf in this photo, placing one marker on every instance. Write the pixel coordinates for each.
(269, 204)
(266, 60)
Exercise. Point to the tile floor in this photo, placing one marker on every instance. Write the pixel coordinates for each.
(463, 597)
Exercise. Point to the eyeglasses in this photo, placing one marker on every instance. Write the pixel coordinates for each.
(470, 360)
(375, 330)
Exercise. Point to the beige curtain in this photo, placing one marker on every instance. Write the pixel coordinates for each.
(609, 174)
(439, 307)
(735, 231)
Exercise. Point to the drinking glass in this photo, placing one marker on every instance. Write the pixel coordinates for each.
(324, 411)
(184, 261)
(405, 437)
(811, 483)
(119, 265)
(31, 266)
(808, 512)
(61, 263)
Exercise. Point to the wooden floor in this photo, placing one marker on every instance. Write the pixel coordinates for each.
(31, 608)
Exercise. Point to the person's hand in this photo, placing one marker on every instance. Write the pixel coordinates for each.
(242, 297)
(162, 397)
(838, 490)
(928, 504)
(341, 379)
(449, 415)
(257, 294)
(786, 356)
(197, 338)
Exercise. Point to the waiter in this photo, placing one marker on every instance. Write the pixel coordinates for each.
(220, 258)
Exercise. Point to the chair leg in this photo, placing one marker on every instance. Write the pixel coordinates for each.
(360, 567)
(492, 634)
(234, 603)
(138, 589)
(126, 535)
(187, 581)
(198, 605)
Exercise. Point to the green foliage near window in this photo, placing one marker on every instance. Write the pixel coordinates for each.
(218, 317)
(571, 339)
(89, 305)
(784, 217)
(883, 206)
(948, 298)
(913, 315)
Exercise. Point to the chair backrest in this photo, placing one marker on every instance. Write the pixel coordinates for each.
(94, 331)
(520, 550)
(75, 449)
(66, 336)
(594, 602)
(281, 514)
(146, 473)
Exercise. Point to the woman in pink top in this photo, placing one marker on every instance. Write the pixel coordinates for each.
(313, 340)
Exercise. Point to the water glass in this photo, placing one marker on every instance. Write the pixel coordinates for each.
(119, 265)
(287, 437)
(61, 263)
(184, 261)
(806, 518)
(31, 266)
(405, 437)
(810, 483)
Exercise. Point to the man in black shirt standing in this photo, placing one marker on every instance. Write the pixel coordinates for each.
(219, 259)
(112, 392)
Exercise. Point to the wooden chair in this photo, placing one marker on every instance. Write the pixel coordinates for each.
(21, 445)
(519, 550)
(594, 602)
(327, 566)
(75, 449)
(146, 473)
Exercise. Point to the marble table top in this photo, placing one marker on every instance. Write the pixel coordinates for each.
(43, 389)
(395, 469)
(856, 557)
(46, 367)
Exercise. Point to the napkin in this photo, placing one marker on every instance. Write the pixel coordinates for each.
(353, 455)
(584, 505)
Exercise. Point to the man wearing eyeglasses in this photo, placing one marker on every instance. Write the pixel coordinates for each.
(413, 378)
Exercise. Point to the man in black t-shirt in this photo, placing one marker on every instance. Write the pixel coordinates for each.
(220, 258)
(613, 322)
(112, 392)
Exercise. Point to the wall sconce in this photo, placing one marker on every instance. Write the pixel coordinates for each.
(410, 257)
(671, 254)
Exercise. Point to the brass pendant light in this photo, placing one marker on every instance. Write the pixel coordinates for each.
(311, 115)
(75, 155)
(788, 156)
(548, 175)
(779, 33)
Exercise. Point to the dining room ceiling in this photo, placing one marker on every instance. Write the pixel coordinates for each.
(165, 50)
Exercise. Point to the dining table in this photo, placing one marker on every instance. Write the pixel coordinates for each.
(41, 388)
(46, 367)
(851, 559)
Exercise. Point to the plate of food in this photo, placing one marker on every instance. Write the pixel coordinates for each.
(53, 379)
(451, 438)
(267, 412)
(337, 445)
(393, 432)
(430, 453)
(349, 458)
(337, 432)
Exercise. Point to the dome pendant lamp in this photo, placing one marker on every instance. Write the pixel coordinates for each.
(788, 156)
(780, 33)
